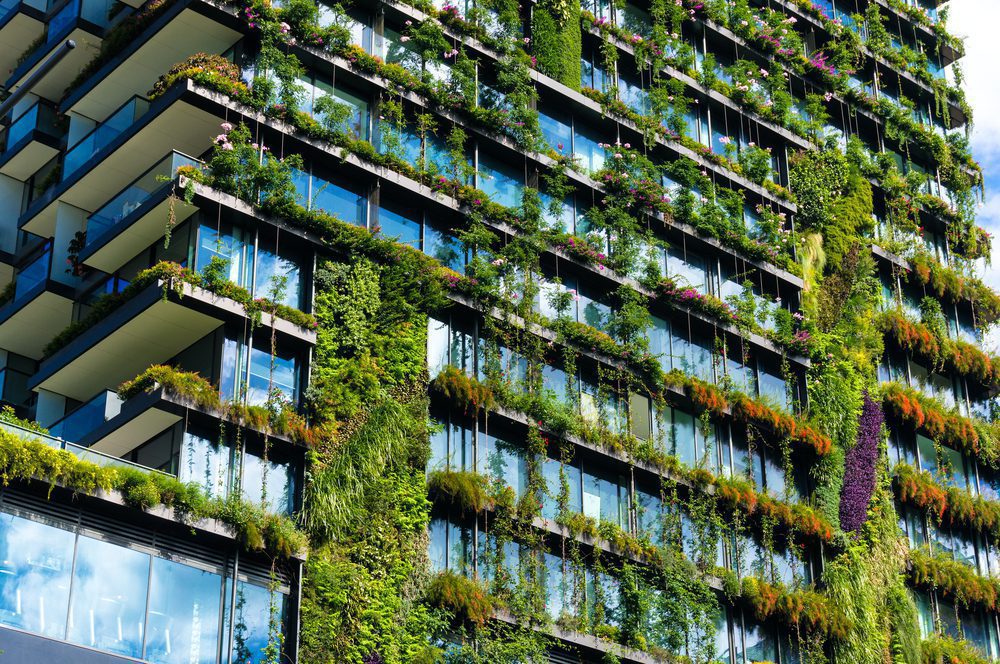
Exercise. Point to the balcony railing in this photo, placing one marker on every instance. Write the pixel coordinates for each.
(87, 417)
(8, 6)
(102, 13)
(40, 116)
(101, 135)
(135, 194)
(33, 274)
(14, 387)
(83, 453)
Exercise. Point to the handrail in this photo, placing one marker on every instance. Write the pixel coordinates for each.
(99, 458)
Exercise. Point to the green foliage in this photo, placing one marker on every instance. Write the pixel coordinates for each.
(188, 384)
(465, 490)
(555, 29)
(175, 278)
(464, 598)
(28, 460)
(943, 650)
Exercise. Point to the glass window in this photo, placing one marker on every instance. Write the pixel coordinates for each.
(688, 269)
(556, 130)
(773, 388)
(253, 620)
(109, 597)
(555, 586)
(183, 626)
(232, 246)
(437, 544)
(648, 515)
(268, 373)
(928, 455)
(347, 205)
(451, 447)
(759, 643)
(498, 180)
(605, 495)
(268, 482)
(683, 437)
(401, 225)
(35, 566)
(277, 275)
(585, 148)
(357, 122)
(205, 462)
(444, 248)
(503, 461)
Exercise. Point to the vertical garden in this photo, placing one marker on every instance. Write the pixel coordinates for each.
(461, 390)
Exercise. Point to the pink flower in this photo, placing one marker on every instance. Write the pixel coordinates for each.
(404, 39)
(227, 146)
(226, 127)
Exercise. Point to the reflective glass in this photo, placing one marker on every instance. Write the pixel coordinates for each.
(268, 482)
(263, 377)
(400, 227)
(206, 463)
(109, 597)
(253, 620)
(35, 566)
(183, 622)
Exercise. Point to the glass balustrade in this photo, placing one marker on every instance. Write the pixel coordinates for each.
(87, 417)
(107, 131)
(33, 274)
(62, 20)
(40, 116)
(102, 13)
(14, 387)
(93, 456)
(8, 7)
(135, 194)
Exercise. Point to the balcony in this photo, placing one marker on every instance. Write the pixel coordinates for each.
(186, 27)
(85, 22)
(92, 456)
(100, 165)
(14, 388)
(150, 328)
(100, 136)
(40, 308)
(143, 417)
(82, 420)
(31, 141)
(22, 22)
(134, 219)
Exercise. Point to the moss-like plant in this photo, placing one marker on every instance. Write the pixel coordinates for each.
(27, 460)
(464, 390)
(467, 600)
(468, 491)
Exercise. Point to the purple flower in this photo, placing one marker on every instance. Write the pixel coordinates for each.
(859, 467)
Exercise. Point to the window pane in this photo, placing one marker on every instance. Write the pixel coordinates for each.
(277, 278)
(277, 479)
(403, 229)
(109, 597)
(263, 377)
(338, 201)
(206, 463)
(183, 624)
(252, 621)
(35, 565)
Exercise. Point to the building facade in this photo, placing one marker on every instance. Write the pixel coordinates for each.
(413, 331)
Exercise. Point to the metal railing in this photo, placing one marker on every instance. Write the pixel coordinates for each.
(83, 453)
(136, 193)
